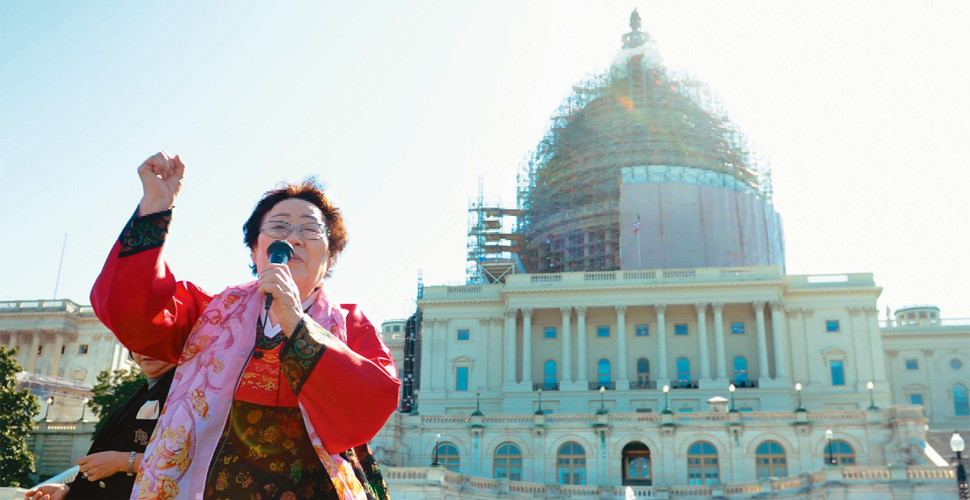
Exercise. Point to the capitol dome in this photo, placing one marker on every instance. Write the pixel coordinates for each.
(640, 169)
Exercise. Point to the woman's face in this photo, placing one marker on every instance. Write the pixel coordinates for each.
(311, 258)
(152, 367)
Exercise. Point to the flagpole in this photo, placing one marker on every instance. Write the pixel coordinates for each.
(639, 258)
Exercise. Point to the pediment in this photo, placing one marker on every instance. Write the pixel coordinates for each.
(834, 352)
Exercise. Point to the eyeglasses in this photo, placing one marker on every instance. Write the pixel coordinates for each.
(281, 229)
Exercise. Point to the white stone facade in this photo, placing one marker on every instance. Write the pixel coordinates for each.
(62, 347)
(486, 348)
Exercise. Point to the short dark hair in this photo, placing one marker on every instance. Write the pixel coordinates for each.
(309, 189)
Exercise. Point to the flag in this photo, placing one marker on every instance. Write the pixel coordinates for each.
(636, 226)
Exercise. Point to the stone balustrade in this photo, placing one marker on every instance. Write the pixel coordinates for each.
(856, 481)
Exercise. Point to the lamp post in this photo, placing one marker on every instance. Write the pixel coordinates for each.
(434, 461)
(539, 411)
(731, 389)
(828, 435)
(798, 390)
(666, 405)
(956, 444)
(872, 402)
(478, 404)
(50, 401)
(602, 410)
(84, 406)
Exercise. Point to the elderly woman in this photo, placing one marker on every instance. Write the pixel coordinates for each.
(276, 403)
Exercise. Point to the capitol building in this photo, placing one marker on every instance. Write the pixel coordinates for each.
(628, 328)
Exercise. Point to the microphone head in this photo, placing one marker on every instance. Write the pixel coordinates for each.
(279, 252)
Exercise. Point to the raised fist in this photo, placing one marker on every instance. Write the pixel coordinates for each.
(161, 179)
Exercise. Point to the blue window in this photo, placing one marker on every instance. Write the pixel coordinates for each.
(960, 404)
(838, 372)
(683, 370)
(463, 334)
(740, 370)
(603, 372)
(603, 331)
(680, 329)
(643, 330)
(461, 383)
(832, 325)
(915, 399)
(549, 332)
(737, 328)
(397, 328)
(549, 376)
(912, 364)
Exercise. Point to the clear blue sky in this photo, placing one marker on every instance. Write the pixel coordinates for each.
(861, 108)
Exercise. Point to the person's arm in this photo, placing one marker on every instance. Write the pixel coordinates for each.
(348, 390)
(97, 466)
(136, 295)
(55, 491)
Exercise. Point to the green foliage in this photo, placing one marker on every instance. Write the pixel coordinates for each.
(17, 412)
(112, 390)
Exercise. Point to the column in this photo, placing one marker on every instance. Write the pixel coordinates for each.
(880, 375)
(779, 331)
(527, 347)
(817, 370)
(799, 364)
(705, 358)
(860, 344)
(759, 315)
(567, 368)
(440, 352)
(32, 353)
(56, 358)
(662, 374)
(509, 354)
(582, 375)
(719, 354)
(622, 376)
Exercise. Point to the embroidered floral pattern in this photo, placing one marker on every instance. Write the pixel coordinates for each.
(199, 404)
(301, 353)
(256, 462)
(144, 233)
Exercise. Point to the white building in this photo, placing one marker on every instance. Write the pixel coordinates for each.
(649, 337)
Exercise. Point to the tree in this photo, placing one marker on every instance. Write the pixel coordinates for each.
(112, 390)
(17, 411)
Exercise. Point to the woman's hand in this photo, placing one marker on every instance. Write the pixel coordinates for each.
(56, 491)
(287, 308)
(161, 179)
(103, 464)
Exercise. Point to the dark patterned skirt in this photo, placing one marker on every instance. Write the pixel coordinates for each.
(266, 454)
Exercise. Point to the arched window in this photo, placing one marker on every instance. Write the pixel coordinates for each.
(643, 373)
(769, 458)
(603, 373)
(840, 452)
(740, 371)
(571, 464)
(636, 465)
(550, 381)
(447, 455)
(960, 405)
(702, 465)
(683, 372)
(508, 462)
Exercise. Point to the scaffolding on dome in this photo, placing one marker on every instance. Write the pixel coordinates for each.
(639, 116)
(493, 241)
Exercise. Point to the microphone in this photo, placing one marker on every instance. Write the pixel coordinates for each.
(279, 252)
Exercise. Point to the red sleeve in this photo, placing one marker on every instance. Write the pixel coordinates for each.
(353, 388)
(138, 299)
